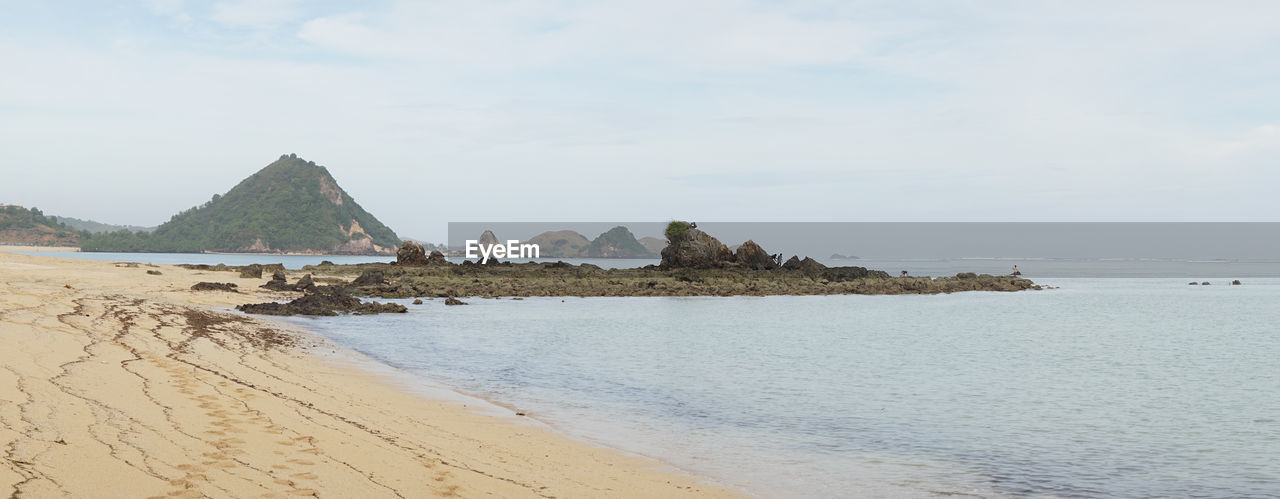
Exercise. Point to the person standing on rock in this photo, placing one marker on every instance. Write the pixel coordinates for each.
(1016, 271)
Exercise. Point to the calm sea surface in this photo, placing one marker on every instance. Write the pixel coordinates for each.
(1107, 386)
(1032, 267)
(1103, 387)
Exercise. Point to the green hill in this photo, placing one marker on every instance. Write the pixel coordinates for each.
(292, 206)
(99, 227)
(560, 244)
(617, 242)
(24, 226)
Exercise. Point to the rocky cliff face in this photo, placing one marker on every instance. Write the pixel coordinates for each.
(750, 255)
(694, 249)
(413, 254)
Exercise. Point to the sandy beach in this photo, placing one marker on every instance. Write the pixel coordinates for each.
(116, 382)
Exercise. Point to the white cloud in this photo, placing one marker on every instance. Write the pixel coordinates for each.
(256, 14)
(715, 35)
(860, 111)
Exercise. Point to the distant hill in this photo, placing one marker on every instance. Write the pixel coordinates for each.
(653, 244)
(291, 205)
(29, 227)
(560, 244)
(93, 227)
(618, 242)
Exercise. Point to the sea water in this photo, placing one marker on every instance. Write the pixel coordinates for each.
(295, 262)
(1116, 383)
(1131, 387)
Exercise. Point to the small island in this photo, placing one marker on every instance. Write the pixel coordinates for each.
(693, 264)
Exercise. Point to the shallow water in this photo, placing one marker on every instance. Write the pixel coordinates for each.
(1034, 268)
(1113, 387)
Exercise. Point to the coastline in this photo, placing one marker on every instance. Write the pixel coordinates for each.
(117, 378)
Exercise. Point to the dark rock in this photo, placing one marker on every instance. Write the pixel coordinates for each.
(278, 282)
(1193, 283)
(304, 284)
(750, 255)
(792, 263)
(1206, 283)
(840, 274)
(437, 259)
(327, 301)
(966, 275)
(417, 301)
(411, 253)
(253, 271)
(370, 278)
(1235, 282)
(691, 248)
(810, 267)
(487, 239)
(326, 262)
(214, 286)
(453, 301)
(153, 272)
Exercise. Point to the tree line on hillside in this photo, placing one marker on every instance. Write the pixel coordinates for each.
(17, 217)
(284, 207)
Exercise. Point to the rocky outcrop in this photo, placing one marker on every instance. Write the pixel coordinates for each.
(252, 271)
(811, 266)
(214, 286)
(839, 274)
(304, 284)
(691, 248)
(453, 301)
(370, 278)
(559, 279)
(411, 253)
(437, 259)
(327, 301)
(751, 256)
(487, 239)
(808, 266)
(277, 285)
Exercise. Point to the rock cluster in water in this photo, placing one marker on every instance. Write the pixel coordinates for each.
(326, 301)
(693, 264)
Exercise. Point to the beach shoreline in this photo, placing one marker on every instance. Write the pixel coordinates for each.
(118, 379)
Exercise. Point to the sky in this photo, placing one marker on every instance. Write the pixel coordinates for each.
(429, 112)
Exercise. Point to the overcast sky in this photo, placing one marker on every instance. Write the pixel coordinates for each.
(428, 112)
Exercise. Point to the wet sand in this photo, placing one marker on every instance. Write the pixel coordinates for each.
(116, 382)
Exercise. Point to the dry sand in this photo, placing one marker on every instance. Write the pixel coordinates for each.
(114, 382)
